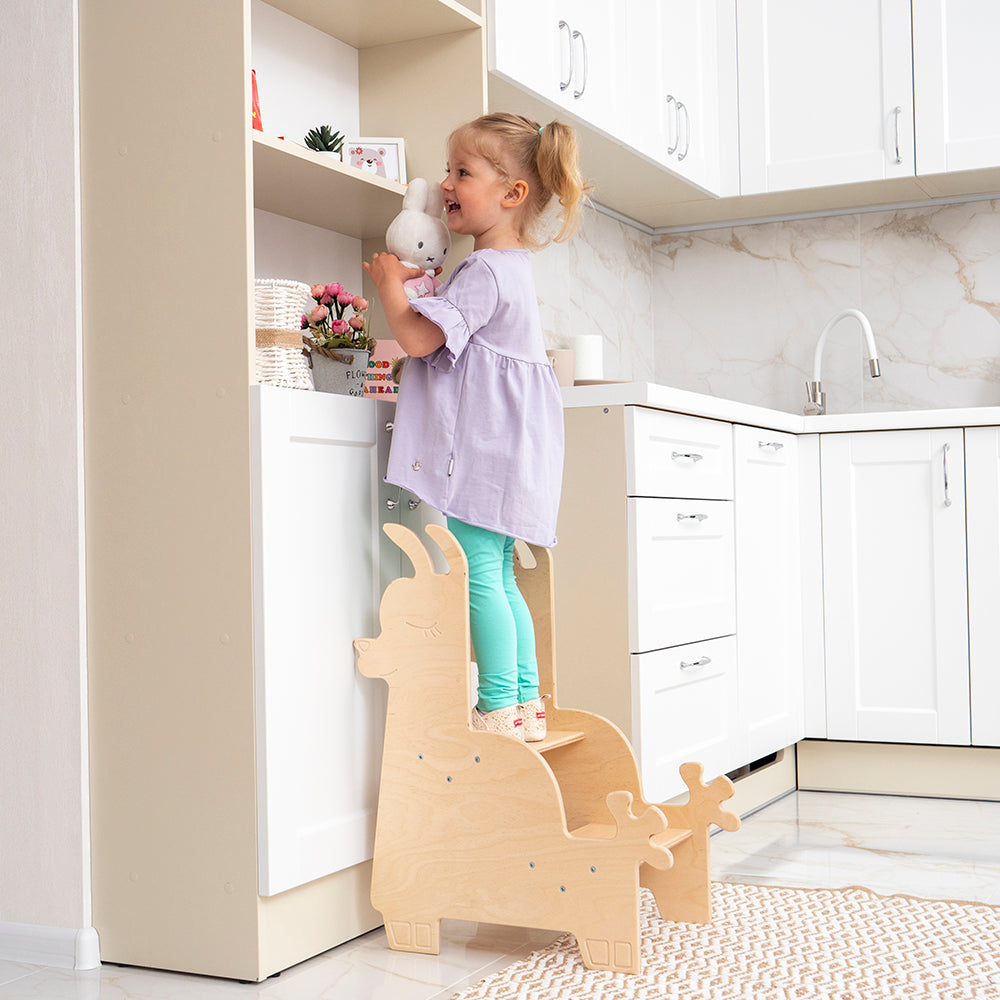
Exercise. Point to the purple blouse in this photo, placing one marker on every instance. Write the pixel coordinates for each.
(479, 422)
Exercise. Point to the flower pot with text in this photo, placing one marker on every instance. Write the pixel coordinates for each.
(342, 370)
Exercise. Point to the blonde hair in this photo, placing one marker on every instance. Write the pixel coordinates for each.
(545, 156)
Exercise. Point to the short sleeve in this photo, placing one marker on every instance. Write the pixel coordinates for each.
(466, 304)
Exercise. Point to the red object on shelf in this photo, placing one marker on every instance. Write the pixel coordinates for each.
(256, 102)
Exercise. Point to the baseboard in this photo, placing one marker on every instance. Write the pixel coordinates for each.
(60, 947)
(761, 785)
(900, 769)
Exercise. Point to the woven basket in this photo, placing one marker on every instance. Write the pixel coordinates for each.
(280, 359)
(278, 304)
(278, 308)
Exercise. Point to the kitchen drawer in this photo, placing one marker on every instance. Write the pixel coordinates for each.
(685, 709)
(673, 455)
(681, 562)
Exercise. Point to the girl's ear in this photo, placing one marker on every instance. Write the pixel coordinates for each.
(516, 194)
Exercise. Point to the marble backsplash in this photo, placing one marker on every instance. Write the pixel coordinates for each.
(736, 312)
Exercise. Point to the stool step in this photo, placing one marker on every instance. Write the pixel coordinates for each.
(554, 738)
(670, 837)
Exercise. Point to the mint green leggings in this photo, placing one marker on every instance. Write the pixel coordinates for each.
(503, 634)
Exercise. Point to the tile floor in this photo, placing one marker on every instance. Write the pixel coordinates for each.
(936, 848)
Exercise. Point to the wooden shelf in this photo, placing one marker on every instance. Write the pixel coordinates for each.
(367, 23)
(298, 183)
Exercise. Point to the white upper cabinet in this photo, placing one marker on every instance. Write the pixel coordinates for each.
(894, 571)
(826, 93)
(682, 59)
(569, 54)
(956, 76)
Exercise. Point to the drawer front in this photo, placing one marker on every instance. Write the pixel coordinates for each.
(682, 567)
(673, 455)
(684, 709)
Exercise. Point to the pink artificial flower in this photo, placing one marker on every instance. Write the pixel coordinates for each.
(326, 299)
(319, 314)
(357, 323)
(334, 288)
(317, 291)
(359, 304)
(340, 326)
(305, 322)
(345, 298)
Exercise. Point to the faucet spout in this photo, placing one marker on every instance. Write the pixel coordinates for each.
(816, 397)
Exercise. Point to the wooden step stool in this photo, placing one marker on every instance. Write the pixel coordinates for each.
(478, 826)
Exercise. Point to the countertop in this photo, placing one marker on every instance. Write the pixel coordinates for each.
(697, 404)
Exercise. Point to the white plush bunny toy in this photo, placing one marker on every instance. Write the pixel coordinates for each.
(419, 237)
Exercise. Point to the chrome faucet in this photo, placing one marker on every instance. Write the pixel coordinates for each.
(816, 397)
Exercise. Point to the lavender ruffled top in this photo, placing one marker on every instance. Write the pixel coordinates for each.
(479, 422)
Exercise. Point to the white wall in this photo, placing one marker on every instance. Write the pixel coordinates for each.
(44, 822)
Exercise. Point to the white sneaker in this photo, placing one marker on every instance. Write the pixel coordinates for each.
(533, 716)
(506, 721)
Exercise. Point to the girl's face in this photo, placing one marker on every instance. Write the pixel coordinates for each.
(478, 201)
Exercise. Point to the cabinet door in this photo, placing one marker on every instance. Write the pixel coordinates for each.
(319, 722)
(768, 589)
(682, 89)
(819, 85)
(681, 558)
(896, 614)
(982, 477)
(684, 708)
(567, 54)
(956, 76)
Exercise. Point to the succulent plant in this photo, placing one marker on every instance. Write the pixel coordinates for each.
(324, 139)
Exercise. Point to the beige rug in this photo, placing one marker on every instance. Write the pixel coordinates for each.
(769, 943)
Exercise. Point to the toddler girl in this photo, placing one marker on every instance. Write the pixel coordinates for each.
(478, 430)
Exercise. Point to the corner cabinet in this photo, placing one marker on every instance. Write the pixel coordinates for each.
(894, 568)
(229, 530)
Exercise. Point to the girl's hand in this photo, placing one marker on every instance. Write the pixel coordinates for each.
(387, 269)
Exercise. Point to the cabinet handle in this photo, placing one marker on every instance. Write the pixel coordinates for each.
(563, 84)
(775, 446)
(896, 112)
(677, 126)
(944, 461)
(692, 517)
(577, 94)
(691, 456)
(690, 664)
(687, 130)
(388, 426)
(412, 504)
(391, 504)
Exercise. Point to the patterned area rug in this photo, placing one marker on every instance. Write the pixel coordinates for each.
(769, 943)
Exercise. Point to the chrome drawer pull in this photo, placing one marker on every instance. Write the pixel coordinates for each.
(412, 504)
(692, 517)
(691, 456)
(564, 84)
(944, 455)
(773, 445)
(703, 662)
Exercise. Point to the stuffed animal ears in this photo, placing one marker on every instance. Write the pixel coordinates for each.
(423, 197)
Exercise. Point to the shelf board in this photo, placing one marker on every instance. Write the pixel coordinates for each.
(366, 23)
(312, 187)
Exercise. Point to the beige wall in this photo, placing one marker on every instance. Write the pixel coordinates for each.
(44, 827)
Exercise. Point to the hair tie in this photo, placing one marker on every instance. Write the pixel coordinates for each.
(540, 127)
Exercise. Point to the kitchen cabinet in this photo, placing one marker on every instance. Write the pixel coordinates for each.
(955, 75)
(825, 93)
(894, 572)
(683, 100)
(229, 836)
(571, 55)
(645, 590)
(768, 592)
(982, 477)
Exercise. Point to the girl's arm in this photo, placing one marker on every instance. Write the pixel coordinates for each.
(416, 334)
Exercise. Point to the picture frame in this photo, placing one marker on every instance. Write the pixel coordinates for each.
(383, 157)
